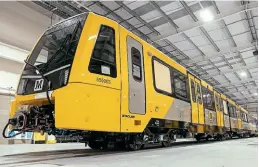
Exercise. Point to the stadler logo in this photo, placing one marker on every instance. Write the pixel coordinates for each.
(107, 81)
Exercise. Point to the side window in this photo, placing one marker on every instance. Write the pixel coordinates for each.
(136, 64)
(199, 93)
(205, 96)
(246, 118)
(234, 111)
(221, 104)
(193, 91)
(180, 85)
(225, 108)
(230, 110)
(103, 59)
(211, 98)
(162, 78)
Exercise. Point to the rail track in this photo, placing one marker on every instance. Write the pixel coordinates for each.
(15, 160)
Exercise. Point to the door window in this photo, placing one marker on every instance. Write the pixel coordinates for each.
(136, 64)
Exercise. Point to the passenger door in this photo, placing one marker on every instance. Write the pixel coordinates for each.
(193, 99)
(137, 92)
(217, 106)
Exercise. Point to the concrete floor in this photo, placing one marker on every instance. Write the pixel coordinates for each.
(231, 153)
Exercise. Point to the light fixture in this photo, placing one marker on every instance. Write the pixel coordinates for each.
(206, 15)
(255, 93)
(243, 74)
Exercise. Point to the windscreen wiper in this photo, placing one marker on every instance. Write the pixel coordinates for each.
(57, 52)
(78, 25)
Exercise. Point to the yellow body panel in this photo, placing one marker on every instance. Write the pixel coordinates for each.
(157, 105)
(221, 112)
(89, 104)
(223, 97)
(239, 124)
(231, 102)
(80, 107)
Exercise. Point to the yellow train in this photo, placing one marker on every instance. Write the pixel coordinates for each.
(91, 77)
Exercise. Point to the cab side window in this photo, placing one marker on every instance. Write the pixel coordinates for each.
(103, 59)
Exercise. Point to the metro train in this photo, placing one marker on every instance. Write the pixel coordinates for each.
(91, 77)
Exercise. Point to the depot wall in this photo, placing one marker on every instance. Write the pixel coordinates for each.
(20, 28)
(4, 110)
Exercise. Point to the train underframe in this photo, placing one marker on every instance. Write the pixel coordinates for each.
(158, 131)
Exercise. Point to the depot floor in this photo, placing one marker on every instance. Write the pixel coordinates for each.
(231, 153)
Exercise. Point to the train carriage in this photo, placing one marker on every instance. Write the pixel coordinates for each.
(96, 79)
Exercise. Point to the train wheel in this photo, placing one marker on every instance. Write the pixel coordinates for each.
(135, 143)
(198, 138)
(166, 143)
(134, 146)
(94, 145)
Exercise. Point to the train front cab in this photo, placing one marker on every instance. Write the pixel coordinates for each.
(91, 100)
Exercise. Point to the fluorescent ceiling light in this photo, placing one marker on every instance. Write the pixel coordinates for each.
(206, 15)
(243, 74)
(255, 94)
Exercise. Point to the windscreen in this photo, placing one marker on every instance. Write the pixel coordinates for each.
(53, 55)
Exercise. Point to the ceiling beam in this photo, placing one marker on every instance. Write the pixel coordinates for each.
(240, 90)
(236, 82)
(229, 34)
(209, 38)
(222, 15)
(223, 21)
(154, 4)
(221, 53)
(189, 11)
(133, 13)
(234, 69)
(75, 4)
(215, 7)
(248, 102)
